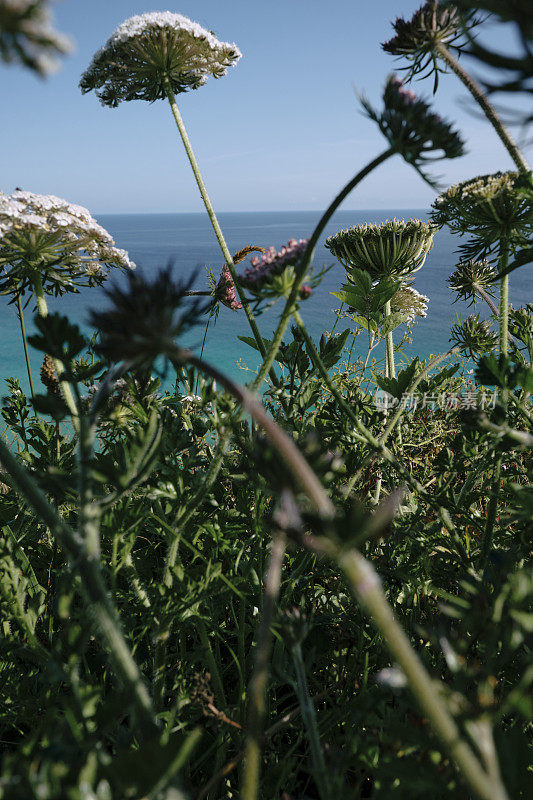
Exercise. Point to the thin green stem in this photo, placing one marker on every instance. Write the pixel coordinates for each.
(211, 663)
(492, 509)
(214, 221)
(309, 718)
(489, 111)
(303, 266)
(258, 684)
(100, 608)
(66, 390)
(390, 367)
(25, 344)
(504, 311)
(367, 587)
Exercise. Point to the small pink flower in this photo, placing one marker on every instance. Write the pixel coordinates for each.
(226, 292)
(305, 291)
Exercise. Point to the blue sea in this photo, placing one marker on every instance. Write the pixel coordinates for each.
(188, 242)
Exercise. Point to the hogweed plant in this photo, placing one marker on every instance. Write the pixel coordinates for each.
(431, 36)
(393, 251)
(50, 246)
(204, 590)
(157, 56)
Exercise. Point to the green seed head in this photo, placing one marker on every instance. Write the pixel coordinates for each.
(395, 248)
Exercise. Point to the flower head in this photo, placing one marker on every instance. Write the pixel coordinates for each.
(225, 290)
(474, 336)
(395, 248)
(471, 276)
(409, 303)
(27, 36)
(60, 241)
(273, 263)
(416, 39)
(412, 128)
(145, 318)
(149, 49)
(489, 209)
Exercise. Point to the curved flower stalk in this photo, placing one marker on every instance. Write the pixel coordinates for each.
(27, 36)
(117, 328)
(414, 132)
(394, 249)
(498, 218)
(515, 66)
(50, 246)
(156, 56)
(431, 34)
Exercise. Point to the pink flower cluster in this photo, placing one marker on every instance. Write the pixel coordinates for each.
(407, 95)
(226, 291)
(272, 263)
(262, 268)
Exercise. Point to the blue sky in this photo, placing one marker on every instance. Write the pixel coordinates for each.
(282, 130)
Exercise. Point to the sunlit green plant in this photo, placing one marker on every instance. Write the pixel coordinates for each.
(429, 37)
(50, 246)
(394, 249)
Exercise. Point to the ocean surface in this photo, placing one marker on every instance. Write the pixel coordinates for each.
(188, 242)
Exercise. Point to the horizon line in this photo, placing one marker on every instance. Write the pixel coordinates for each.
(270, 211)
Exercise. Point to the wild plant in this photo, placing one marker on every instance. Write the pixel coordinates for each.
(203, 588)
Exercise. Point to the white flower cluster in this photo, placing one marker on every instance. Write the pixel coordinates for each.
(27, 35)
(410, 303)
(484, 188)
(138, 25)
(28, 213)
(148, 49)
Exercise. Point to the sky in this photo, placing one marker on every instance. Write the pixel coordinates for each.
(282, 131)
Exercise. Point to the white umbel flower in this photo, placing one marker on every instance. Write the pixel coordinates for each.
(27, 36)
(59, 240)
(409, 303)
(148, 49)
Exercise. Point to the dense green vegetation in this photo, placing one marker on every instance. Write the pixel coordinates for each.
(324, 594)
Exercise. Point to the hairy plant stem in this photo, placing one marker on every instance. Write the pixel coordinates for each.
(214, 221)
(25, 345)
(100, 611)
(258, 685)
(366, 586)
(492, 508)
(390, 368)
(479, 96)
(504, 301)
(363, 434)
(268, 359)
(303, 266)
(64, 385)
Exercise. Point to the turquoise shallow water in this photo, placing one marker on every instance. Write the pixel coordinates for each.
(188, 241)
